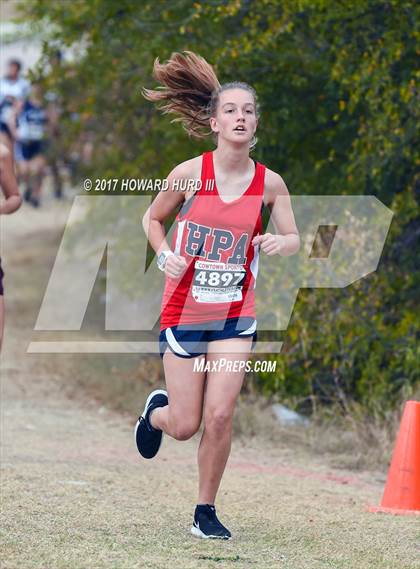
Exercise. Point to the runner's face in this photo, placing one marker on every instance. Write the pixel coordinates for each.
(235, 118)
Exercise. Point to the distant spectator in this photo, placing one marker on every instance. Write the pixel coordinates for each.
(31, 142)
(13, 91)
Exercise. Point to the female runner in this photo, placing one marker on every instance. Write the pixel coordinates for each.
(208, 309)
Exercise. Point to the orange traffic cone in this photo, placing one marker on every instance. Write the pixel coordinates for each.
(402, 489)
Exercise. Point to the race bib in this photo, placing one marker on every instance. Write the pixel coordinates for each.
(217, 282)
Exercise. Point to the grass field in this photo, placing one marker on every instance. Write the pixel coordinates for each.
(75, 493)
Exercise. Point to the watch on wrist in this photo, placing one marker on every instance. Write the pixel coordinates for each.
(161, 261)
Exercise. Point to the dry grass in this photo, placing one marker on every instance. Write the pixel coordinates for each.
(76, 496)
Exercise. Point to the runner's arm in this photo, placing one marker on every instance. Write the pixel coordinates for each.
(165, 203)
(277, 199)
(8, 183)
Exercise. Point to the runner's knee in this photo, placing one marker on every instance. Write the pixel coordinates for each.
(182, 430)
(218, 420)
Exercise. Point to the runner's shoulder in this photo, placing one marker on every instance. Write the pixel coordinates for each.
(188, 169)
(274, 185)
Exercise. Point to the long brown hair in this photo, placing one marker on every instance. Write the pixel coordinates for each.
(190, 89)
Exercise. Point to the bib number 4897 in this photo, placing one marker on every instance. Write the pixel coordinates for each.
(217, 278)
(217, 282)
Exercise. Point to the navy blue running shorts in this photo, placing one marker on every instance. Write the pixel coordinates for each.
(190, 340)
(29, 150)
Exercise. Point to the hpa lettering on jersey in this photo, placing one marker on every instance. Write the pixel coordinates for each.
(215, 238)
(222, 240)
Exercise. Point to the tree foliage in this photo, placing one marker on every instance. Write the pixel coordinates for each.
(338, 88)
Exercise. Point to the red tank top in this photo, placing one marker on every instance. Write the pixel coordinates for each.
(222, 265)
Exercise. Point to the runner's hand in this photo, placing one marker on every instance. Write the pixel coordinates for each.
(175, 266)
(269, 243)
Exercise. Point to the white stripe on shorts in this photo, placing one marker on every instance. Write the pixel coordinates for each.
(251, 329)
(176, 347)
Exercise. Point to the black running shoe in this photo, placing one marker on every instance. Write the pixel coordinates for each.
(148, 439)
(206, 524)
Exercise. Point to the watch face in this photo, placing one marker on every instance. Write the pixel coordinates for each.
(161, 259)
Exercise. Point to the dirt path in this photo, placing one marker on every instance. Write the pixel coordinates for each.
(75, 493)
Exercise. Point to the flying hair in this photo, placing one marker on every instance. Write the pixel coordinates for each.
(190, 89)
